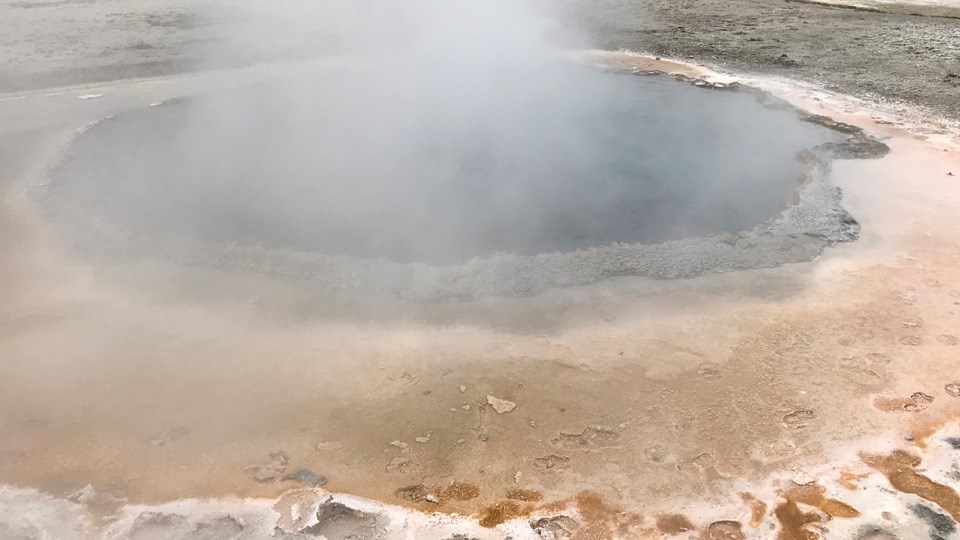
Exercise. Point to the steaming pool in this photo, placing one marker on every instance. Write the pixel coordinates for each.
(495, 193)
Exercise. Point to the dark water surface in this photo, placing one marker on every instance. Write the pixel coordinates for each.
(441, 173)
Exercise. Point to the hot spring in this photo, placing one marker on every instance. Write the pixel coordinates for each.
(516, 165)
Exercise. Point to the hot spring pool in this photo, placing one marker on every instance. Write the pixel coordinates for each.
(342, 169)
(427, 188)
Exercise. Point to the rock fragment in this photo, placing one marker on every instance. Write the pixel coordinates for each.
(502, 406)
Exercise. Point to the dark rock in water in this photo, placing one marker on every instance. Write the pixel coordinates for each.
(307, 477)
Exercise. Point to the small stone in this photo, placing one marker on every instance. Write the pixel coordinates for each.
(432, 499)
(517, 477)
(908, 438)
(453, 409)
(483, 437)
(622, 425)
(463, 388)
(461, 441)
(952, 389)
(502, 406)
(399, 444)
(799, 418)
(801, 478)
(465, 406)
(423, 439)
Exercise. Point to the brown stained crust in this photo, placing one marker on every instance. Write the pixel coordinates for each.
(849, 480)
(501, 511)
(526, 495)
(460, 492)
(598, 519)
(900, 469)
(794, 521)
(889, 404)
(917, 402)
(758, 509)
(813, 495)
(438, 495)
(927, 425)
(601, 518)
(674, 524)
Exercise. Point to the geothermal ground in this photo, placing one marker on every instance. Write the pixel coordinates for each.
(148, 398)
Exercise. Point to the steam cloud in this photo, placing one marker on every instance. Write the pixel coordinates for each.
(436, 131)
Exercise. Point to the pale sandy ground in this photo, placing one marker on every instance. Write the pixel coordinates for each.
(155, 384)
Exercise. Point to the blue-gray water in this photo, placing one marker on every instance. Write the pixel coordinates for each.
(415, 174)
